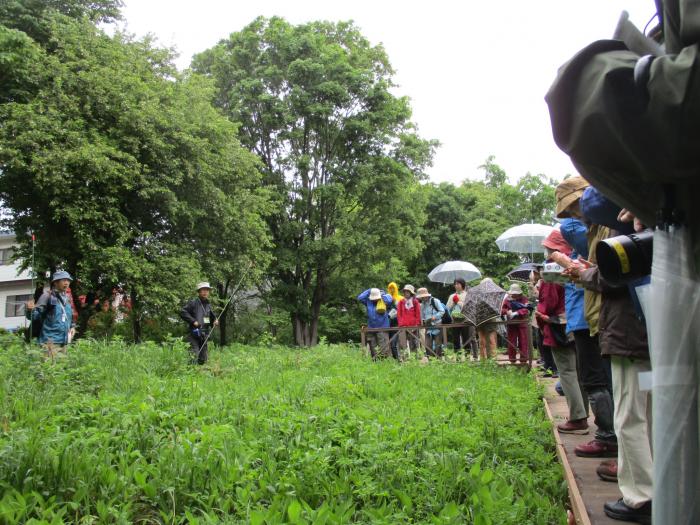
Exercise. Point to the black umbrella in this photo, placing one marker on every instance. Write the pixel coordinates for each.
(522, 272)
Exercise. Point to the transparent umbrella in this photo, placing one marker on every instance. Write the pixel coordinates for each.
(526, 238)
(447, 272)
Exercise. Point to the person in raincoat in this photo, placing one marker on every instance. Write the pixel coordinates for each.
(431, 310)
(393, 290)
(630, 121)
(54, 312)
(377, 304)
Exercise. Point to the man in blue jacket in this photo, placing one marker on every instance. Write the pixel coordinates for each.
(54, 312)
(377, 319)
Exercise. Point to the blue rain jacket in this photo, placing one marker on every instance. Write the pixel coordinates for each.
(54, 311)
(374, 319)
(574, 233)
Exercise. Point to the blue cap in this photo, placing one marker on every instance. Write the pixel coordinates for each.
(598, 209)
(61, 275)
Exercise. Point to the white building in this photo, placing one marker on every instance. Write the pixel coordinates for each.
(15, 286)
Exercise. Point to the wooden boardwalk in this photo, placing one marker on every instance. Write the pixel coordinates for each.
(587, 491)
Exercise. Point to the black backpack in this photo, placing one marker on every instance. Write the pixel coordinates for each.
(446, 317)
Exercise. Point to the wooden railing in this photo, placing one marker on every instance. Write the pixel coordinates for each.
(417, 333)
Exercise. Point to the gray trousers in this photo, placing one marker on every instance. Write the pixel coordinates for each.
(576, 398)
(381, 340)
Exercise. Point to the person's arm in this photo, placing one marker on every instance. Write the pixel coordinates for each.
(364, 297)
(440, 311)
(36, 312)
(388, 299)
(186, 314)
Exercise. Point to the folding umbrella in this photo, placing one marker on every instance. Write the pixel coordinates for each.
(526, 238)
(447, 272)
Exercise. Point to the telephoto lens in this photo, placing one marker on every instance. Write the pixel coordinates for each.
(626, 257)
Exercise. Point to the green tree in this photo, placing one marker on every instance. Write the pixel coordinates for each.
(314, 102)
(124, 167)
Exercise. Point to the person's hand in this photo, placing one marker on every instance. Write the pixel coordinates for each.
(30, 305)
(573, 272)
(195, 324)
(627, 216)
(541, 316)
(561, 259)
(71, 333)
(216, 322)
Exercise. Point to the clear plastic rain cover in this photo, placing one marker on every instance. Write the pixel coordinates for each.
(673, 323)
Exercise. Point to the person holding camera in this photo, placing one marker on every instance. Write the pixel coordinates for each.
(551, 315)
(200, 318)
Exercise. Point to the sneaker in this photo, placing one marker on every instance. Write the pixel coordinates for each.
(573, 426)
(607, 470)
(618, 510)
(596, 449)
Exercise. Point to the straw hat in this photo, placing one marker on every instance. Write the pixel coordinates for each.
(569, 191)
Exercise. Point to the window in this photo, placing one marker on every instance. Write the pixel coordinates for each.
(15, 304)
(6, 255)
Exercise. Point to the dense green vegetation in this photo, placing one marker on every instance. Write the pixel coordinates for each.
(115, 433)
(283, 144)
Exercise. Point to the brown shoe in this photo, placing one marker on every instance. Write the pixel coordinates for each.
(596, 449)
(607, 470)
(573, 426)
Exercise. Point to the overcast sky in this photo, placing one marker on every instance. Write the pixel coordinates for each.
(476, 72)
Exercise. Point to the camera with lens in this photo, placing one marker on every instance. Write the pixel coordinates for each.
(625, 258)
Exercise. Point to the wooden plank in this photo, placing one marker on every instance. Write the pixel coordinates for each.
(577, 505)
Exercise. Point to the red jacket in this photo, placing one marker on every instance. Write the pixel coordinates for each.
(552, 304)
(409, 317)
(522, 313)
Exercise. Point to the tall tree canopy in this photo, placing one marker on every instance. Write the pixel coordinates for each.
(314, 102)
(122, 165)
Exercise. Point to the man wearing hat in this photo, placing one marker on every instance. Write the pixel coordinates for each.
(53, 310)
(516, 307)
(377, 317)
(200, 319)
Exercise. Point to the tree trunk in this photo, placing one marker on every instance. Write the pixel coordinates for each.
(135, 317)
(303, 333)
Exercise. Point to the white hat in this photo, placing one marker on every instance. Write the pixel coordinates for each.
(374, 294)
(409, 288)
(515, 289)
(203, 285)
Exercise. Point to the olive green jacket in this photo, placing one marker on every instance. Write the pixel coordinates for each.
(632, 137)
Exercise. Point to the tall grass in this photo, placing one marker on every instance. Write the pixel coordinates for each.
(133, 434)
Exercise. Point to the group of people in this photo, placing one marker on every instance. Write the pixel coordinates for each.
(590, 333)
(595, 338)
(424, 315)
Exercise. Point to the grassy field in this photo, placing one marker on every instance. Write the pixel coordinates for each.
(132, 434)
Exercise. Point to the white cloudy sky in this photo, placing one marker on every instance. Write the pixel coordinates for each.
(476, 72)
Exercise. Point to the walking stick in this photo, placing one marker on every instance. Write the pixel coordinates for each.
(235, 291)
